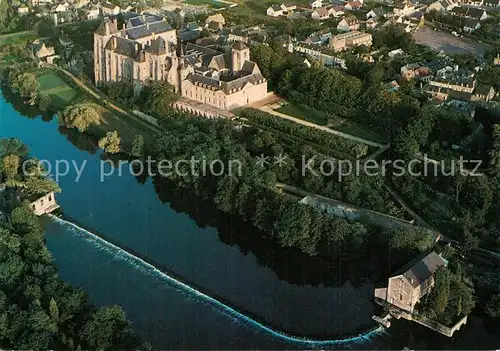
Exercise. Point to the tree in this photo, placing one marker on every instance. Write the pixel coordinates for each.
(12, 146)
(159, 98)
(138, 146)
(43, 102)
(493, 306)
(108, 329)
(27, 85)
(54, 310)
(110, 143)
(40, 186)
(80, 117)
(10, 166)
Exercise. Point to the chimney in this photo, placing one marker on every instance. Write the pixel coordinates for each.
(124, 32)
(137, 48)
(456, 68)
(113, 43)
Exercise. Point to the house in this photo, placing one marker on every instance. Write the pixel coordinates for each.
(93, 12)
(348, 23)
(45, 204)
(62, 7)
(394, 53)
(483, 93)
(274, 11)
(23, 10)
(349, 40)
(336, 10)
(353, 5)
(371, 23)
(471, 25)
(194, 27)
(496, 60)
(321, 13)
(110, 9)
(315, 4)
(458, 84)
(215, 21)
(403, 8)
(415, 280)
(319, 37)
(376, 13)
(469, 12)
(288, 7)
(41, 50)
(491, 3)
(320, 53)
(416, 71)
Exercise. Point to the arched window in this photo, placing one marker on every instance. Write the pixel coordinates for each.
(50, 197)
(33, 207)
(41, 202)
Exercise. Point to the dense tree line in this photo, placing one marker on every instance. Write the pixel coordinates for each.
(319, 137)
(37, 309)
(452, 296)
(21, 79)
(252, 194)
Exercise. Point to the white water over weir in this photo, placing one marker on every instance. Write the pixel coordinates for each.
(147, 268)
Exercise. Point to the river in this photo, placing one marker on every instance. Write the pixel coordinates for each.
(172, 230)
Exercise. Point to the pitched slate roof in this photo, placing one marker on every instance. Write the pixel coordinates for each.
(148, 29)
(240, 46)
(107, 24)
(125, 47)
(158, 46)
(424, 268)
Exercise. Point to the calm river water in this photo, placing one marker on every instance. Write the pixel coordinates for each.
(178, 233)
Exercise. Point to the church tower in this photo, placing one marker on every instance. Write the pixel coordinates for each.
(240, 53)
(102, 35)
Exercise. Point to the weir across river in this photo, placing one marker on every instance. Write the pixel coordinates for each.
(196, 292)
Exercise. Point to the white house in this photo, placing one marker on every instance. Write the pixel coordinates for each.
(336, 11)
(93, 12)
(274, 11)
(110, 9)
(471, 25)
(321, 13)
(394, 53)
(288, 7)
(348, 23)
(315, 4)
(62, 7)
(353, 5)
(375, 13)
(23, 10)
(403, 8)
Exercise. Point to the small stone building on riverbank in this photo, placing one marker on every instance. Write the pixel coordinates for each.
(412, 282)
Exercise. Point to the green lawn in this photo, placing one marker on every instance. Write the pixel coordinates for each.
(318, 117)
(211, 3)
(14, 38)
(60, 92)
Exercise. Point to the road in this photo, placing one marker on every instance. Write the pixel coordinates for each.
(269, 110)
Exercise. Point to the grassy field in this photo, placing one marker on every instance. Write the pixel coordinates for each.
(211, 3)
(60, 92)
(318, 117)
(14, 38)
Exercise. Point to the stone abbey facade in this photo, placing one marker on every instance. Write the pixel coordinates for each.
(146, 49)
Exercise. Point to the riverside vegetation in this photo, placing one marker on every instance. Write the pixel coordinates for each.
(37, 309)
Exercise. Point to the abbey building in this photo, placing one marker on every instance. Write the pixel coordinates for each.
(146, 49)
